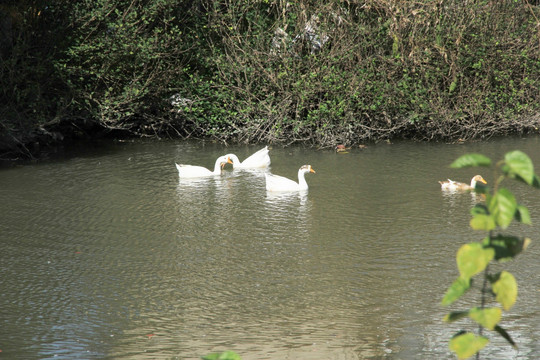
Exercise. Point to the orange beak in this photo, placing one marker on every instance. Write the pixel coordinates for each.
(225, 163)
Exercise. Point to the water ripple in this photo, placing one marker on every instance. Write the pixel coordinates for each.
(110, 255)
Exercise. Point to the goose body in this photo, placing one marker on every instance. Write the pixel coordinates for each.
(455, 185)
(259, 159)
(193, 171)
(280, 183)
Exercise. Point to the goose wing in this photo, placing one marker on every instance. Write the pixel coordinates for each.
(192, 171)
(258, 159)
(280, 183)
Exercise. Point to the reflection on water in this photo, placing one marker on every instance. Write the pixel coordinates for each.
(110, 255)
(278, 199)
(456, 197)
(195, 184)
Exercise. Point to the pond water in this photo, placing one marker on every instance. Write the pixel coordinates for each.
(106, 254)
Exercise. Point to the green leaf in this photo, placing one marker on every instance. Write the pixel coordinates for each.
(455, 316)
(506, 247)
(522, 215)
(226, 355)
(473, 258)
(483, 222)
(488, 317)
(502, 206)
(467, 344)
(479, 209)
(536, 182)
(468, 160)
(456, 290)
(480, 188)
(519, 166)
(505, 335)
(506, 290)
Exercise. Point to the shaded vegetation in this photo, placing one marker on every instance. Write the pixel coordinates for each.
(314, 72)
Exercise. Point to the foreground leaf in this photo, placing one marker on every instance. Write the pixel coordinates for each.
(502, 206)
(488, 317)
(519, 166)
(473, 258)
(226, 355)
(455, 316)
(479, 209)
(522, 215)
(536, 182)
(505, 335)
(471, 160)
(456, 290)
(482, 222)
(481, 188)
(467, 344)
(506, 290)
(506, 247)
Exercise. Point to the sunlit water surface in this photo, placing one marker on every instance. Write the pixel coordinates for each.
(106, 254)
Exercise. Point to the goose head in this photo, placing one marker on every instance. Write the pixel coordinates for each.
(477, 178)
(223, 160)
(306, 169)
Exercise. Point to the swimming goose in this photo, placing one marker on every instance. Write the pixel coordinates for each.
(454, 185)
(280, 183)
(192, 171)
(260, 159)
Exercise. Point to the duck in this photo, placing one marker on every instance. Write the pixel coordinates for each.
(281, 183)
(193, 171)
(455, 185)
(259, 159)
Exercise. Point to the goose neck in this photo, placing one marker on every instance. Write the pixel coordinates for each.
(217, 167)
(302, 179)
(234, 160)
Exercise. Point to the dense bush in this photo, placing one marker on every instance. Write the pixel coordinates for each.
(121, 59)
(270, 71)
(350, 72)
(31, 93)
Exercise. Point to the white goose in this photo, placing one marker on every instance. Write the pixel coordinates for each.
(192, 171)
(455, 185)
(280, 183)
(259, 159)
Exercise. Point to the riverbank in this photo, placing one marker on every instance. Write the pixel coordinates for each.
(60, 139)
(313, 73)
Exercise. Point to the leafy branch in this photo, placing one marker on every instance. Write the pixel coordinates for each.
(499, 210)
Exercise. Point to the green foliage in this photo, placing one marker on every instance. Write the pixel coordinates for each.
(499, 210)
(472, 259)
(456, 290)
(226, 355)
(471, 160)
(506, 247)
(488, 318)
(378, 75)
(505, 289)
(32, 94)
(265, 71)
(121, 57)
(518, 165)
(467, 344)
